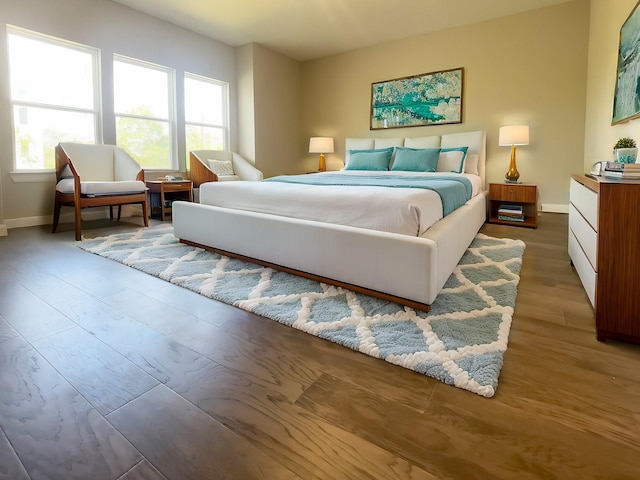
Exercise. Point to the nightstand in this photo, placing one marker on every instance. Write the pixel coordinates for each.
(520, 194)
(163, 193)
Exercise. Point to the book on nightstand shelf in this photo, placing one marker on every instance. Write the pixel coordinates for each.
(510, 218)
(512, 211)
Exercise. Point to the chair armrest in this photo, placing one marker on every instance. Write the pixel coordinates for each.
(124, 166)
(199, 172)
(245, 170)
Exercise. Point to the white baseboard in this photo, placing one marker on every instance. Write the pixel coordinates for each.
(554, 207)
(98, 214)
(3, 230)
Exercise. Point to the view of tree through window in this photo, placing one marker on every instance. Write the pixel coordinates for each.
(205, 109)
(143, 103)
(49, 108)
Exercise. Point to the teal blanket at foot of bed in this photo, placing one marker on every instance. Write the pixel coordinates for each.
(454, 191)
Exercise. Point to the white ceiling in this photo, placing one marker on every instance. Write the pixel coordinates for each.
(309, 29)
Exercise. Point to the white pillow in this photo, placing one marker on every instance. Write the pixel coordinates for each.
(451, 162)
(471, 164)
(221, 167)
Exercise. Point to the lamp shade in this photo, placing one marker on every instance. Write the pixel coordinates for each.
(513, 135)
(321, 145)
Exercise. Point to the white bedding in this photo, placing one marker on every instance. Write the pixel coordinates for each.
(408, 211)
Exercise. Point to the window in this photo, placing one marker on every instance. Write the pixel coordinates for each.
(205, 110)
(144, 109)
(54, 96)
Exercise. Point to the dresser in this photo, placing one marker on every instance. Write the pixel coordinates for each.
(604, 246)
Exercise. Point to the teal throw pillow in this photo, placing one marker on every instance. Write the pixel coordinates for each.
(416, 159)
(377, 160)
(452, 159)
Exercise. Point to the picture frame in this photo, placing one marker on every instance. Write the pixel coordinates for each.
(433, 98)
(626, 102)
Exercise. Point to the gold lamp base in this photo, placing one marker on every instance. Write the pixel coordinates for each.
(512, 175)
(322, 166)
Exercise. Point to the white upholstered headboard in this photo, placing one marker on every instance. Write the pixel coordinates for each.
(476, 141)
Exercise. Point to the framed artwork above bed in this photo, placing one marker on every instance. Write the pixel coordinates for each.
(433, 98)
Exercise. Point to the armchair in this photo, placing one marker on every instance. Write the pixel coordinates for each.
(201, 171)
(96, 176)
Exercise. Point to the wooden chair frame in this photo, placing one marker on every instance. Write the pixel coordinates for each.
(79, 201)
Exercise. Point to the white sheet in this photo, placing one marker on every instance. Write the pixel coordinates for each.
(408, 211)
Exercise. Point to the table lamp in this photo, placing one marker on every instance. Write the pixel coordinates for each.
(321, 145)
(510, 136)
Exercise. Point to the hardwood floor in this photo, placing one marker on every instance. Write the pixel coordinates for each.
(108, 373)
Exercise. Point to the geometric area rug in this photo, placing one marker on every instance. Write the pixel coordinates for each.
(461, 341)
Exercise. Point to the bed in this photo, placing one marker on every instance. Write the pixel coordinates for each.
(408, 264)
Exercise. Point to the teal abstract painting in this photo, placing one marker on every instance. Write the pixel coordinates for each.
(427, 99)
(626, 104)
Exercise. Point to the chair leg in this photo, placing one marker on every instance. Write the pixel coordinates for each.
(111, 213)
(78, 222)
(145, 213)
(119, 211)
(57, 206)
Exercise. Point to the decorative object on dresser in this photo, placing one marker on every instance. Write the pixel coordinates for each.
(513, 204)
(625, 150)
(512, 136)
(626, 99)
(622, 170)
(321, 145)
(604, 239)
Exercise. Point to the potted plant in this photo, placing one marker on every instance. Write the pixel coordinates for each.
(625, 150)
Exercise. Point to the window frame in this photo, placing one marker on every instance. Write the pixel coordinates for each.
(224, 103)
(96, 111)
(171, 108)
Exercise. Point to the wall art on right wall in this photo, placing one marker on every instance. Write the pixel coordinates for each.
(626, 103)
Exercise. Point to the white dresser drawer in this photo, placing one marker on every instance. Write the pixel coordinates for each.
(586, 201)
(585, 234)
(583, 267)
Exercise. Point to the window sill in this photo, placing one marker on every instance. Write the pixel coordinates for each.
(37, 176)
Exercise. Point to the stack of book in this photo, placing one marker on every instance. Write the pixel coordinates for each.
(622, 170)
(512, 213)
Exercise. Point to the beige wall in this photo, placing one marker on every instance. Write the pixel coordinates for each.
(112, 28)
(529, 68)
(607, 17)
(274, 116)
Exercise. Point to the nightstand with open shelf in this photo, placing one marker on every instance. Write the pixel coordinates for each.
(163, 193)
(520, 194)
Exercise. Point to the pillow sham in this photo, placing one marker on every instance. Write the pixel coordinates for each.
(221, 167)
(415, 159)
(471, 164)
(375, 160)
(452, 159)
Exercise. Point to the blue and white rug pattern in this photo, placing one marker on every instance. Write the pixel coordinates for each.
(461, 341)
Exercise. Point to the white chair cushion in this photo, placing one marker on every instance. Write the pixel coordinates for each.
(102, 188)
(228, 178)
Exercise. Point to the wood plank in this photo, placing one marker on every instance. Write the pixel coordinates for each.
(53, 429)
(445, 439)
(143, 471)
(105, 378)
(185, 443)
(11, 467)
(292, 435)
(30, 316)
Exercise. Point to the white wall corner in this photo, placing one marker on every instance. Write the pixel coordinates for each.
(554, 207)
